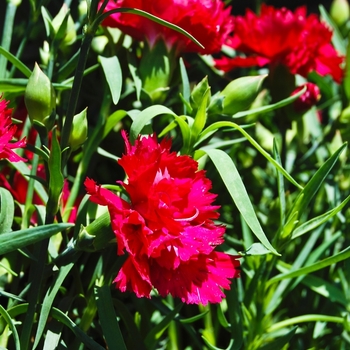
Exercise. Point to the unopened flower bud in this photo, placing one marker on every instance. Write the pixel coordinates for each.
(39, 97)
(198, 92)
(79, 130)
(240, 93)
(340, 11)
(308, 99)
(67, 33)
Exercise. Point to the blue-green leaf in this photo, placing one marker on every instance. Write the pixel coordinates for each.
(7, 210)
(113, 73)
(145, 116)
(108, 318)
(238, 192)
(11, 241)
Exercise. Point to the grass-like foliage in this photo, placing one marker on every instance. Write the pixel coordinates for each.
(174, 176)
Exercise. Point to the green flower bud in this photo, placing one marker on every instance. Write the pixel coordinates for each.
(240, 93)
(198, 92)
(156, 70)
(39, 97)
(340, 11)
(64, 27)
(79, 130)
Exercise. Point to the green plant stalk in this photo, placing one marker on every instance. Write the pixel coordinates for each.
(78, 180)
(33, 18)
(88, 151)
(30, 189)
(172, 330)
(305, 318)
(78, 78)
(37, 272)
(208, 331)
(7, 33)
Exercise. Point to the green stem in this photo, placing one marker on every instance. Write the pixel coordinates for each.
(88, 151)
(30, 189)
(78, 78)
(7, 33)
(305, 318)
(172, 330)
(37, 272)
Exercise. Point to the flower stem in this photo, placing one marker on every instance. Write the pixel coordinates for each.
(78, 78)
(7, 33)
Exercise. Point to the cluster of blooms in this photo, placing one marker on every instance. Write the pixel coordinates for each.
(167, 229)
(278, 36)
(7, 133)
(207, 20)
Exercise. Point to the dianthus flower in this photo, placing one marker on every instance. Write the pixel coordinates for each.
(7, 132)
(308, 99)
(167, 228)
(278, 36)
(207, 20)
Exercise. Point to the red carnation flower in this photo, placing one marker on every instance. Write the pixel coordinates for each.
(308, 99)
(7, 132)
(207, 20)
(167, 228)
(278, 36)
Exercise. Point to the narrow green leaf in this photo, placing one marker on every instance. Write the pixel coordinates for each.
(280, 184)
(145, 116)
(257, 249)
(234, 307)
(132, 64)
(113, 73)
(200, 118)
(38, 187)
(337, 38)
(83, 337)
(237, 190)
(7, 210)
(16, 62)
(108, 318)
(193, 318)
(11, 241)
(222, 318)
(135, 336)
(319, 220)
(152, 18)
(304, 318)
(219, 125)
(287, 286)
(344, 254)
(112, 121)
(56, 177)
(186, 134)
(305, 196)
(48, 301)
(271, 107)
(327, 289)
(186, 89)
(12, 326)
(50, 31)
(280, 342)
(155, 333)
(212, 347)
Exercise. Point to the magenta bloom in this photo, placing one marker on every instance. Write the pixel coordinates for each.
(308, 99)
(167, 229)
(207, 20)
(7, 132)
(279, 36)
